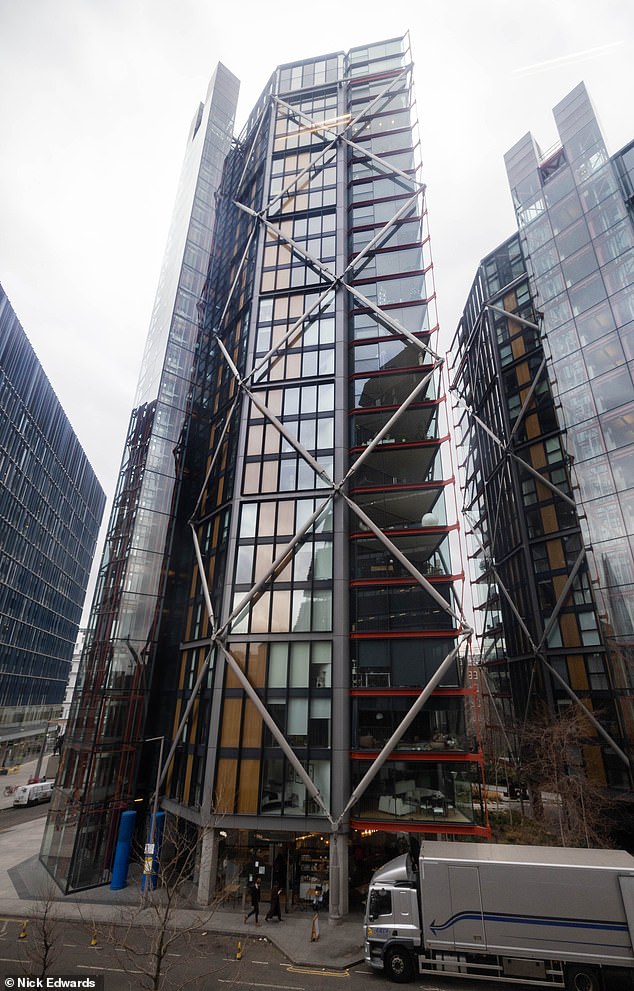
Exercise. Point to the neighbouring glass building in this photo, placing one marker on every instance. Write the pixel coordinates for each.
(304, 658)
(542, 374)
(51, 506)
(107, 716)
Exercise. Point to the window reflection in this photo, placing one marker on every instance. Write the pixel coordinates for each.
(420, 791)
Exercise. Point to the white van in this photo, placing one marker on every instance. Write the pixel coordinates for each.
(33, 794)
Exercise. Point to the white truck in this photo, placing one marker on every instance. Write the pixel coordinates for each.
(33, 794)
(537, 915)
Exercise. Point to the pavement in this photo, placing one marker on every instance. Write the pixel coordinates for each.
(25, 885)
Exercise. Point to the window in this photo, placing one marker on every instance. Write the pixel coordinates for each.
(587, 294)
(578, 404)
(614, 389)
(380, 903)
(566, 212)
(588, 627)
(579, 266)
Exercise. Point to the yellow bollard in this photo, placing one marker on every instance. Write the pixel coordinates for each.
(239, 951)
(23, 930)
(93, 941)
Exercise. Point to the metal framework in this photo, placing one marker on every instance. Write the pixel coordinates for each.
(506, 446)
(338, 134)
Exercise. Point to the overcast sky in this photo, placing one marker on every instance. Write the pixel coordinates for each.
(96, 98)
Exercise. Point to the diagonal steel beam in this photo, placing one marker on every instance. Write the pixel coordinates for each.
(284, 745)
(376, 440)
(504, 448)
(388, 166)
(279, 426)
(539, 654)
(529, 395)
(394, 326)
(512, 316)
(288, 336)
(380, 760)
(299, 114)
(216, 453)
(279, 561)
(247, 155)
(370, 246)
(402, 559)
(563, 595)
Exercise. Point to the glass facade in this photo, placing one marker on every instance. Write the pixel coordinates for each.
(557, 392)
(51, 506)
(309, 569)
(337, 610)
(106, 722)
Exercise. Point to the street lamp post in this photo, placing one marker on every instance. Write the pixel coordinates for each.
(42, 752)
(153, 739)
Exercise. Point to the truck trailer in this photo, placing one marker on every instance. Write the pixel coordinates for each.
(537, 915)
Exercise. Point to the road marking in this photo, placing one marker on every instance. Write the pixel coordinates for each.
(252, 984)
(111, 970)
(10, 960)
(264, 963)
(320, 971)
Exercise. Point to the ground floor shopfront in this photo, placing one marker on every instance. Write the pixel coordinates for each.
(301, 864)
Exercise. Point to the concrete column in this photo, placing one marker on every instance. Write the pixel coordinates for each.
(208, 872)
(338, 878)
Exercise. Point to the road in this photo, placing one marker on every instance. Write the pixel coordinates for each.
(13, 817)
(198, 961)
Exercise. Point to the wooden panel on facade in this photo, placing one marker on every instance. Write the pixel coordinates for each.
(248, 789)
(225, 791)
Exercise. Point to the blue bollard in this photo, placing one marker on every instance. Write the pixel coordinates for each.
(122, 852)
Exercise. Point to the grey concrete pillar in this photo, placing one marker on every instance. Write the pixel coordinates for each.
(338, 878)
(208, 866)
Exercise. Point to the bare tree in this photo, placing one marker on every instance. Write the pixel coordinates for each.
(148, 930)
(42, 943)
(554, 762)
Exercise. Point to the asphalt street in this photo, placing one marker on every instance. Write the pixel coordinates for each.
(197, 961)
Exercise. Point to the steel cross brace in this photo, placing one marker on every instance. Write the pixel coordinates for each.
(538, 648)
(219, 634)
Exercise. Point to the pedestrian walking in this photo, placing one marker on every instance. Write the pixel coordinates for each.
(255, 901)
(275, 905)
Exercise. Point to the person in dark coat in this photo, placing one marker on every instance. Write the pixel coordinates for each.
(278, 880)
(255, 901)
(275, 905)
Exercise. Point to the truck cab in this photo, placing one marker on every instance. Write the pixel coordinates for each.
(392, 920)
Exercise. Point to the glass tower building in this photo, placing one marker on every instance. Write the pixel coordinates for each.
(543, 362)
(308, 658)
(107, 717)
(51, 506)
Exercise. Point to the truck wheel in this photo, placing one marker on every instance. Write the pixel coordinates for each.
(399, 965)
(582, 978)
